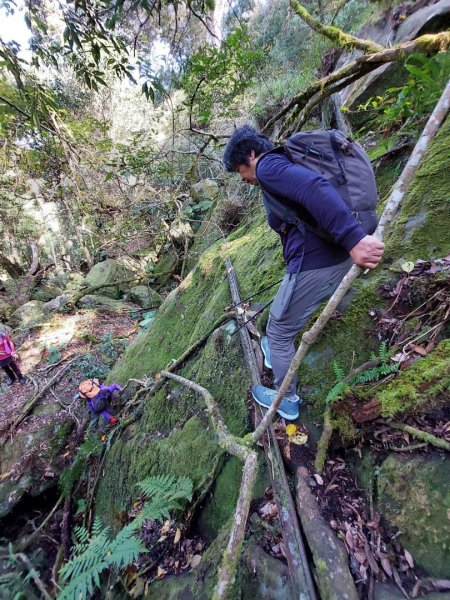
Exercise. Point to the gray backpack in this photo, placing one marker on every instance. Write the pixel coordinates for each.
(344, 163)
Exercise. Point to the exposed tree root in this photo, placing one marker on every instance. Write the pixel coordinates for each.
(31, 403)
(336, 35)
(426, 44)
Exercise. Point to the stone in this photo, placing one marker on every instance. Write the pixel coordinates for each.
(5, 310)
(46, 456)
(109, 271)
(206, 189)
(25, 314)
(47, 292)
(91, 301)
(414, 497)
(180, 231)
(5, 329)
(144, 296)
(56, 303)
(165, 267)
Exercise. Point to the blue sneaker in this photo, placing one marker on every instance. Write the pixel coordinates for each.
(266, 351)
(265, 396)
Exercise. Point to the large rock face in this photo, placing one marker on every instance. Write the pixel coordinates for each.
(414, 497)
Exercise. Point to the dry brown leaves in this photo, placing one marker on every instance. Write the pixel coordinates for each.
(373, 551)
(419, 310)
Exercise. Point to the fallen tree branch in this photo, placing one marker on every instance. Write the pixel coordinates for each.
(425, 44)
(172, 366)
(31, 403)
(429, 438)
(334, 579)
(393, 203)
(336, 35)
(234, 446)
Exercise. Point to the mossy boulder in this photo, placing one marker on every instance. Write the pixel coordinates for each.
(420, 231)
(422, 387)
(31, 462)
(105, 302)
(144, 296)
(206, 189)
(110, 271)
(414, 497)
(27, 313)
(167, 264)
(47, 292)
(5, 310)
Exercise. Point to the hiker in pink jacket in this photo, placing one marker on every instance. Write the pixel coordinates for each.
(8, 360)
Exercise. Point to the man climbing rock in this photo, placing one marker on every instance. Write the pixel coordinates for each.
(316, 263)
(98, 399)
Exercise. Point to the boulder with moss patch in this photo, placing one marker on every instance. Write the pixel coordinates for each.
(414, 497)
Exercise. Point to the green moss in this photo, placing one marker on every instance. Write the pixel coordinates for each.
(189, 451)
(222, 503)
(414, 496)
(421, 387)
(421, 228)
(345, 340)
(189, 312)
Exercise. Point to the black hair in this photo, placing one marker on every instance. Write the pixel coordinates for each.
(242, 142)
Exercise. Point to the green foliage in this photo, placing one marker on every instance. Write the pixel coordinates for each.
(165, 491)
(92, 446)
(405, 106)
(343, 384)
(96, 552)
(214, 77)
(54, 355)
(90, 366)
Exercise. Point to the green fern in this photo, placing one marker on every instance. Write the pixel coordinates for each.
(92, 554)
(373, 374)
(338, 371)
(166, 487)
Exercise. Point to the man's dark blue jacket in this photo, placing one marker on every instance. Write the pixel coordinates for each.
(280, 177)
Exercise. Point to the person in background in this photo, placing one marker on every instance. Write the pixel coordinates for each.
(98, 399)
(8, 360)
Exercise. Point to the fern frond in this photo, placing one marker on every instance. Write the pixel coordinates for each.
(125, 548)
(383, 352)
(336, 391)
(166, 486)
(338, 371)
(82, 586)
(92, 558)
(97, 526)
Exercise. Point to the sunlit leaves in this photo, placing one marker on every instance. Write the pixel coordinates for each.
(214, 77)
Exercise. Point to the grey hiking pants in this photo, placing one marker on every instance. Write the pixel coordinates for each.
(294, 303)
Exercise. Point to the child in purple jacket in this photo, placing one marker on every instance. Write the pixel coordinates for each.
(8, 360)
(98, 400)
